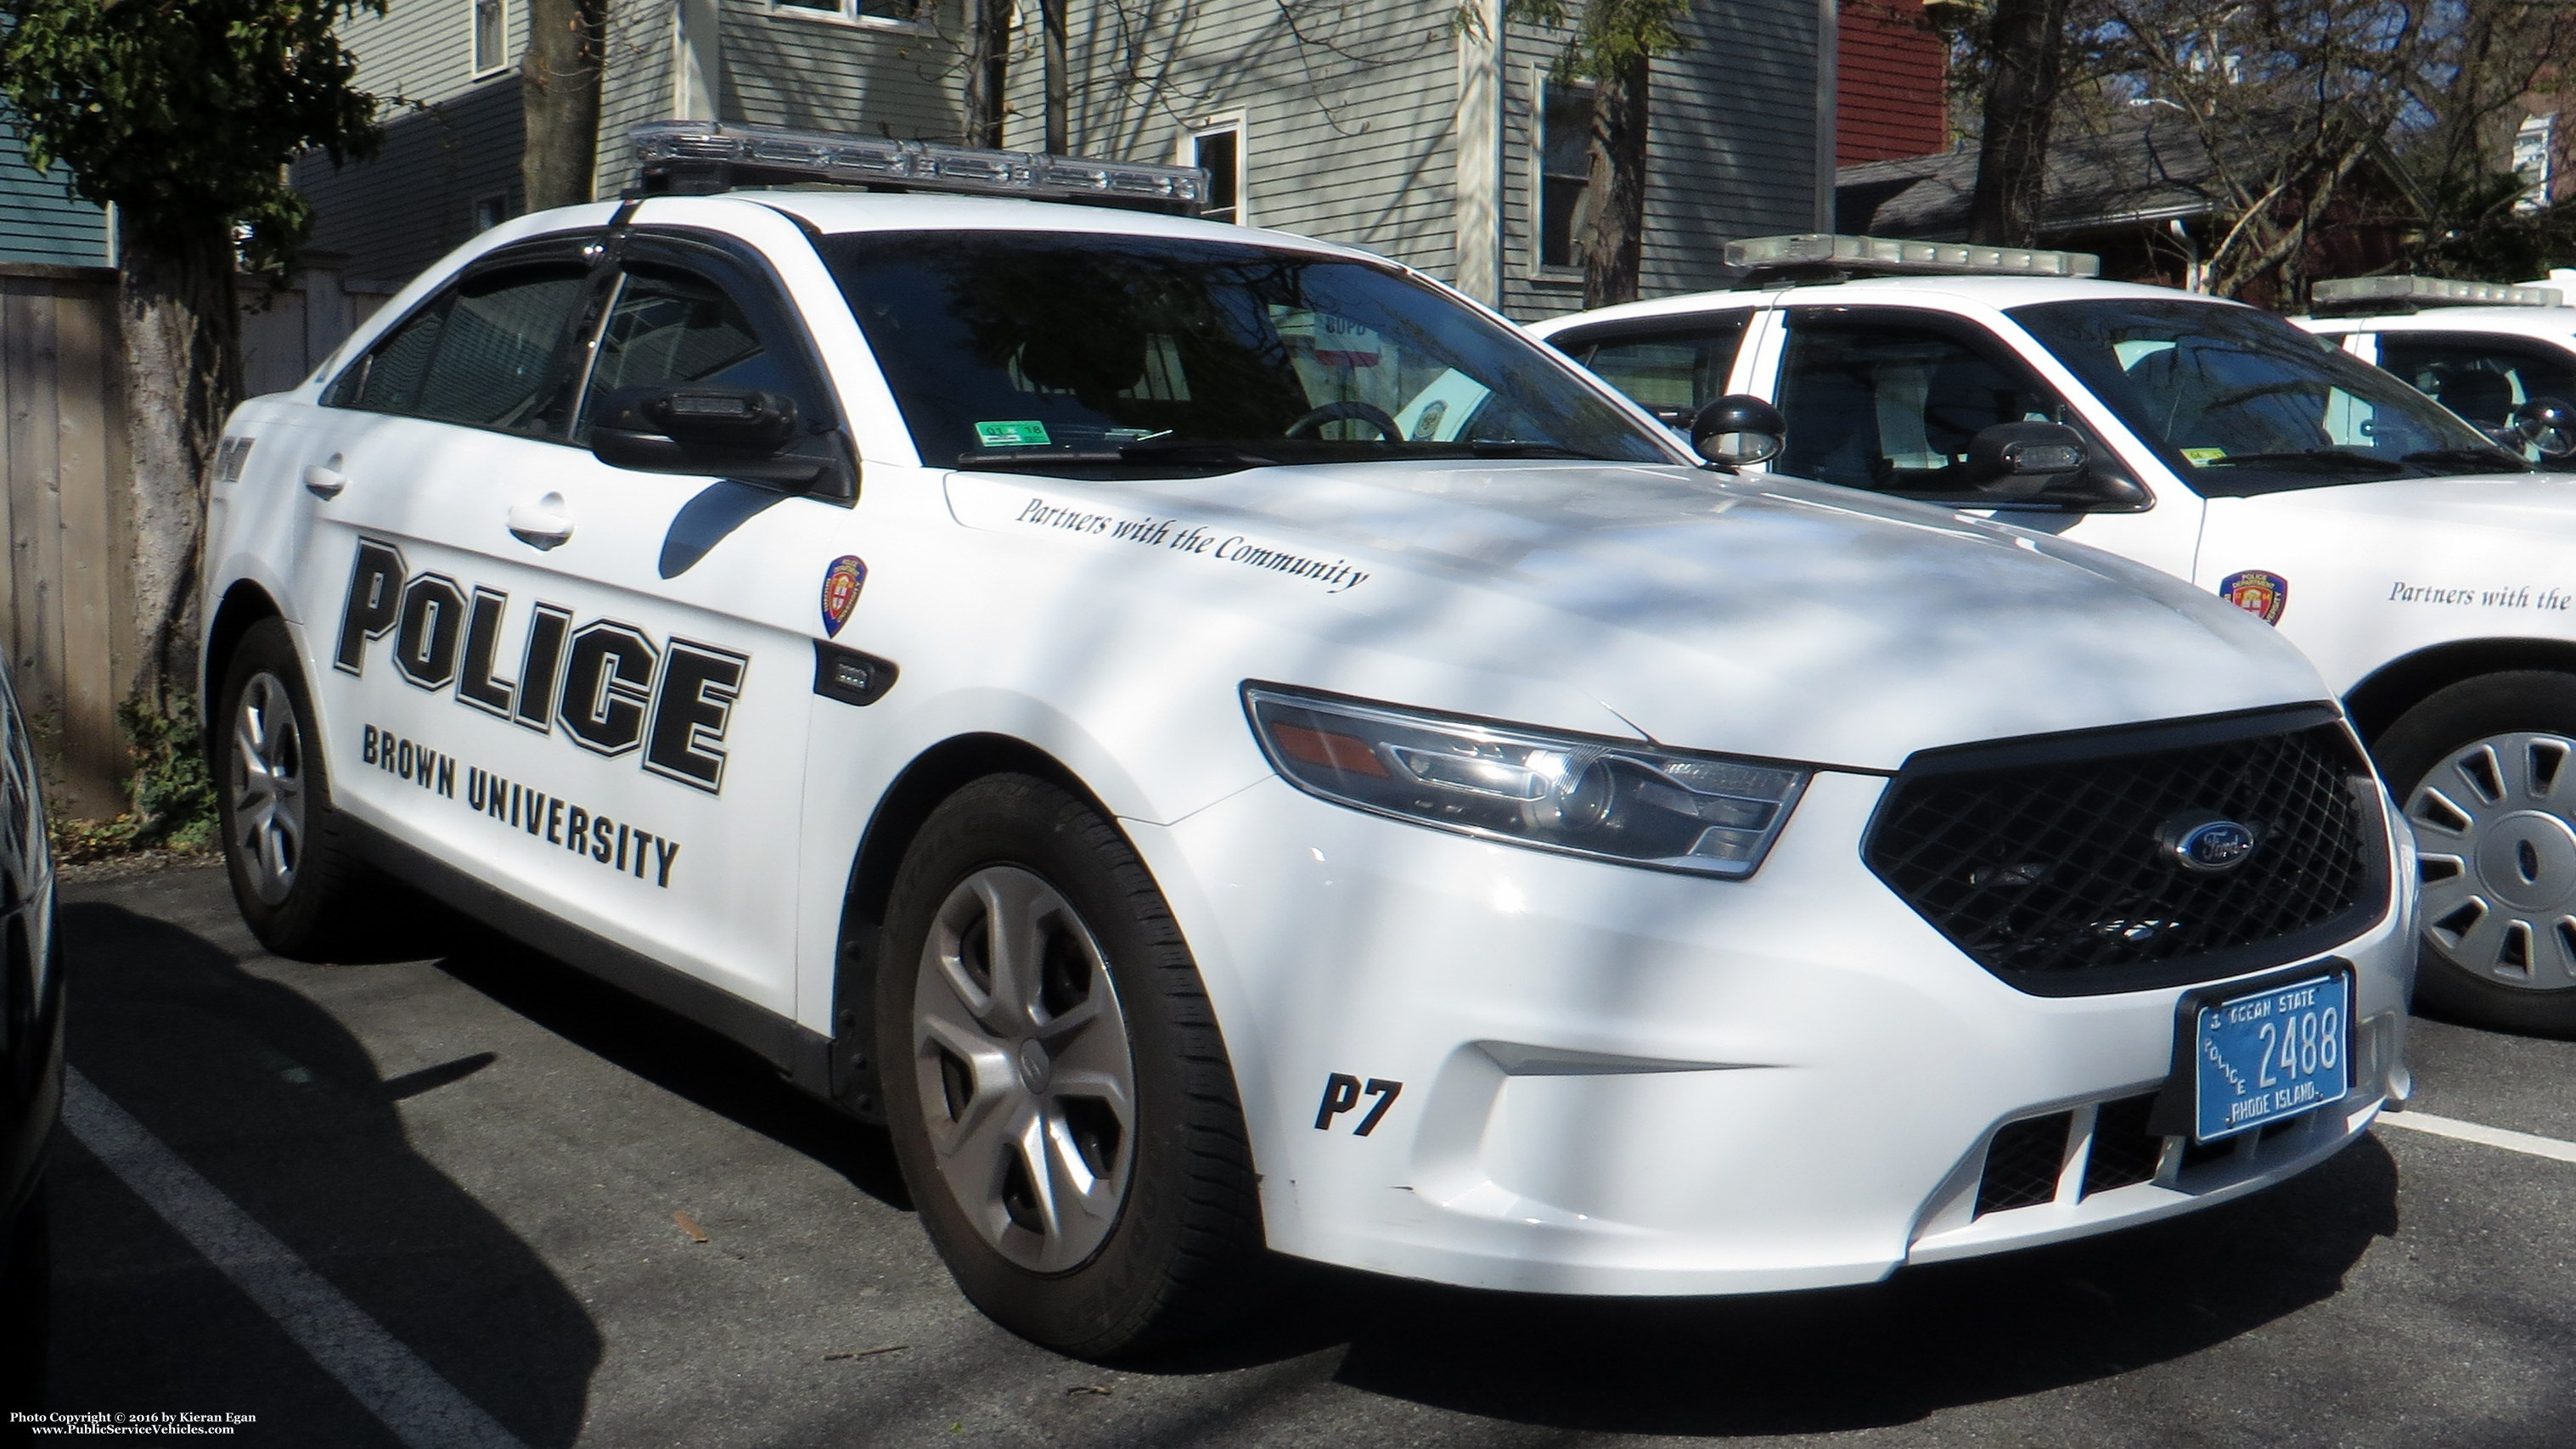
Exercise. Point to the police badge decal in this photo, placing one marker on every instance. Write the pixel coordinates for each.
(841, 592)
(2260, 594)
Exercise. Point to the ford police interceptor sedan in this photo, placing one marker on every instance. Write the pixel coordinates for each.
(1220, 742)
(2428, 572)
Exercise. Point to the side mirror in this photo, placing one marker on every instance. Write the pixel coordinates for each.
(2547, 426)
(1737, 431)
(726, 432)
(2017, 460)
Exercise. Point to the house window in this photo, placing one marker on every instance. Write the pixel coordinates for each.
(1219, 149)
(491, 35)
(1565, 172)
(2531, 157)
(907, 14)
(490, 211)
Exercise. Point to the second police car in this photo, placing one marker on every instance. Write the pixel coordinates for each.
(2422, 564)
(1222, 744)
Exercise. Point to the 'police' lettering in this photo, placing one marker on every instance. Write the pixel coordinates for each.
(608, 684)
(433, 612)
(615, 688)
(691, 706)
(375, 598)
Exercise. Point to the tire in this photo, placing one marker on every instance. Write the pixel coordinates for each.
(2485, 773)
(1149, 1230)
(295, 874)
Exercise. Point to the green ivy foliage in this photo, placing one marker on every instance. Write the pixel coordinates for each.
(184, 113)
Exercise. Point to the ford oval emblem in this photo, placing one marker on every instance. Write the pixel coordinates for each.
(2207, 844)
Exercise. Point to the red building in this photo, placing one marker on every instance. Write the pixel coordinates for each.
(1891, 76)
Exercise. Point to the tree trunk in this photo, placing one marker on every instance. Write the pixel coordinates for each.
(1614, 228)
(181, 318)
(988, 55)
(2028, 42)
(559, 101)
(1058, 96)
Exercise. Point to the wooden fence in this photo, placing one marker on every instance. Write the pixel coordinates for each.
(65, 605)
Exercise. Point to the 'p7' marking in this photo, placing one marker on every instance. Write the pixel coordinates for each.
(1342, 1093)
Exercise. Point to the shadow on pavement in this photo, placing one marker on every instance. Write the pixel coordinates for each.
(678, 1055)
(271, 1100)
(1840, 1359)
(1929, 1338)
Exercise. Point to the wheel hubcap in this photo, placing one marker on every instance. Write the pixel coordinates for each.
(2499, 859)
(1020, 1054)
(267, 788)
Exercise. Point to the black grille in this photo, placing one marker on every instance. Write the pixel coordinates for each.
(2022, 1165)
(2041, 858)
(2124, 1152)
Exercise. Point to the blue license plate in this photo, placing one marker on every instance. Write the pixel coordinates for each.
(2272, 1054)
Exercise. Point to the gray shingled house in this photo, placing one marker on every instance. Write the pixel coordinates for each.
(1375, 122)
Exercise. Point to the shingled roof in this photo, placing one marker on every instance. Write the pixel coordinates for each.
(2141, 169)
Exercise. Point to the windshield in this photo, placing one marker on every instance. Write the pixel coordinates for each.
(1072, 351)
(2239, 401)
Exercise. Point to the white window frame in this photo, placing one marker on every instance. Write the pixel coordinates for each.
(473, 35)
(1540, 270)
(2534, 152)
(1185, 153)
(846, 13)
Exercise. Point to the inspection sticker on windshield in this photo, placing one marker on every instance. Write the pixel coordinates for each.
(2271, 1054)
(2202, 457)
(1012, 435)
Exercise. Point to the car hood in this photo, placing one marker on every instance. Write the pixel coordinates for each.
(1755, 616)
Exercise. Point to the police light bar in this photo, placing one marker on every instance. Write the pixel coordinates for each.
(1820, 252)
(2412, 292)
(698, 157)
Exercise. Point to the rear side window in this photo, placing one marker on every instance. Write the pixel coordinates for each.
(1671, 373)
(478, 354)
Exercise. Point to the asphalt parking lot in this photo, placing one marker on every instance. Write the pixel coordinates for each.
(461, 1176)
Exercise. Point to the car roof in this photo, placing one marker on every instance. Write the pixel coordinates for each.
(1994, 292)
(843, 212)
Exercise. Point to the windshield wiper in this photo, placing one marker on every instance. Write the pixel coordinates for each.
(2336, 458)
(2470, 460)
(1246, 455)
(1175, 450)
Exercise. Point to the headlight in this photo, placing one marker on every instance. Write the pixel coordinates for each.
(1601, 798)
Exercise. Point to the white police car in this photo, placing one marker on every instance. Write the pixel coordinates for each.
(2422, 566)
(1220, 742)
(2485, 351)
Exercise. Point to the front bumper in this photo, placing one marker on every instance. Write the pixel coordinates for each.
(1615, 1081)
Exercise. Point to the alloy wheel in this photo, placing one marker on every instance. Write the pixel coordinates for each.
(1026, 1081)
(267, 787)
(2498, 857)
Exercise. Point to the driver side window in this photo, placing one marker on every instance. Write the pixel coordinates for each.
(671, 325)
(1890, 404)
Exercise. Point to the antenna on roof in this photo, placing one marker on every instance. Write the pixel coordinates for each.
(701, 158)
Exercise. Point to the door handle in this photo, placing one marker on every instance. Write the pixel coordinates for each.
(542, 524)
(323, 481)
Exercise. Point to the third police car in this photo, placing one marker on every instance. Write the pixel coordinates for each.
(2421, 563)
(1222, 743)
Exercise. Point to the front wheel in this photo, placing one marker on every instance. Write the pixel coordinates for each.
(1058, 1092)
(2485, 771)
(298, 881)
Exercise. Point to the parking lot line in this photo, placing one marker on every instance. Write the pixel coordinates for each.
(2475, 1132)
(422, 1409)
